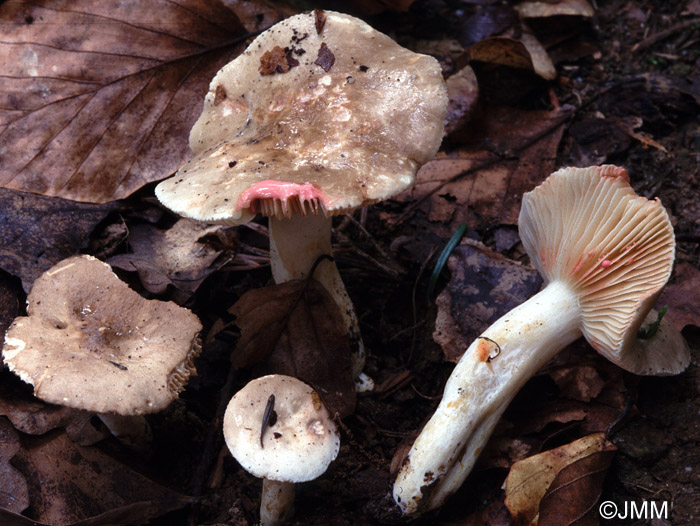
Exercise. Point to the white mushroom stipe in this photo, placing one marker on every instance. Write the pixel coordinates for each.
(605, 254)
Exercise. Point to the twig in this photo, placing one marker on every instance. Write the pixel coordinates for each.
(661, 35)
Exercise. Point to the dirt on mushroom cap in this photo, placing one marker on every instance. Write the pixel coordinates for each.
(356, 127)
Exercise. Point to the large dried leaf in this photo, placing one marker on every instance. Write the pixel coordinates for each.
(484, 286)
(69, 483)
(295, 328)
(175, 256)
(30, 415)
(682, 297)
(538, 483)
(14, 495)
(572, 497)
(38, 232)
(97, 96)
(507, 153)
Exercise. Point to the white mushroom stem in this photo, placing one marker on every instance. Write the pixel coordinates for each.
(276, 503)
(295, 245)
(133, 431)
(482, 384)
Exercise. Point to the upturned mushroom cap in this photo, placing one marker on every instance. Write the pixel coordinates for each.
(587, 227)
(321, 113)
(300, 444)
(90, 342)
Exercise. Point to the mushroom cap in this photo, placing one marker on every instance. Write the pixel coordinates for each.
(299, 446)
(587, 227)
(90, 342)
(321, 113)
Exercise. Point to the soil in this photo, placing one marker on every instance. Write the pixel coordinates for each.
(609, 70)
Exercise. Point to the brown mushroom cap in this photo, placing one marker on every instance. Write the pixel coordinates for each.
(320, 113)
(90, 342)
(300, 444)
(587, 227)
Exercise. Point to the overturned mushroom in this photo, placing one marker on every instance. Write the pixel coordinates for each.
(278, 429)
(90, 342)
(605, 254)
(320, 115)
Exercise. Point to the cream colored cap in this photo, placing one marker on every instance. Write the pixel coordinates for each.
(320, 114)
(300, 444)
(90, 342)
(588, 228)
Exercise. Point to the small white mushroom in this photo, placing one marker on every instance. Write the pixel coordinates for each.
(320, 115)
(278, 429)
(605, 254)
(90, 342)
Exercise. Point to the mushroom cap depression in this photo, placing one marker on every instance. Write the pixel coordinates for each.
(300, 444)
(321, 113)
(587, 227)
(90, 342)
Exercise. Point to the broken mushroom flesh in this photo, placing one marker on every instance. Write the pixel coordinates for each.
(320, 115)
(278, 429)
(92, 343)
(605, 254)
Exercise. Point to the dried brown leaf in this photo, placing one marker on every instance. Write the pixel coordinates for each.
(98, 96)
(484, 286)
(295, 328)
(176, 256)
(463, 91)
(572, 497)
(32, 416)
(38, 232)
(682, 297)
(14, 495)
(561, 8)
(505, 153)
(72, 484)
(531, 488)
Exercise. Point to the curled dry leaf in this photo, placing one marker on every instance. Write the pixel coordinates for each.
(484, 286)
(14, 495)
(96, 98)
(463, 91)
(538, 484)
(176, 256)
(295, 328)
(37, 241)
(524, 53)
(69, 483)
(559, 8)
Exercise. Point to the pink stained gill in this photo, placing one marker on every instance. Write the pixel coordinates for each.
(614, 172)
(281, 190)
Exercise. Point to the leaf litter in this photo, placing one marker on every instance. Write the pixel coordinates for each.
(505, 135)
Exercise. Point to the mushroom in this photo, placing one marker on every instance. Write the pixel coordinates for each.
(278, 429)
(90, 342)
(319, 116)
(605, 254)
